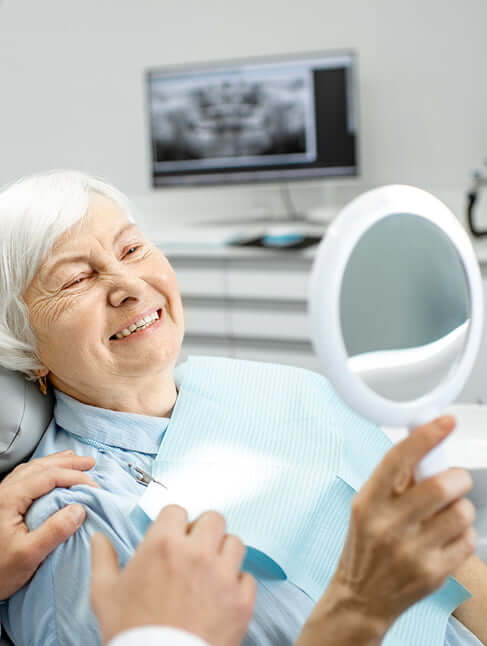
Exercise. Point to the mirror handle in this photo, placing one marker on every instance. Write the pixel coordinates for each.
(434, 462)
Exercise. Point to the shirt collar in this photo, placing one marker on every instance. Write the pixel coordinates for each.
(131, 431)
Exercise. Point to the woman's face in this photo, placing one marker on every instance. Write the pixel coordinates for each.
(101, 275)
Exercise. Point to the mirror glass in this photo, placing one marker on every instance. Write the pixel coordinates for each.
(404, 307)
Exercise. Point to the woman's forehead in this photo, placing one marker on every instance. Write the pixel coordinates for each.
(104, 220)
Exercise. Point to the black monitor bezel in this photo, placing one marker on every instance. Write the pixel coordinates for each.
(231, 178)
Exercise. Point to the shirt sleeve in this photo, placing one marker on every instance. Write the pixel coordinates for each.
(157, 636)
(53, 608)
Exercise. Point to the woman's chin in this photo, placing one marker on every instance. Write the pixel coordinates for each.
(146, 357)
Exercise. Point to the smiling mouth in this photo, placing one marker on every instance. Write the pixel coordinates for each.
(114, 337)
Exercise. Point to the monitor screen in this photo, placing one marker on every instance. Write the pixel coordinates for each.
(273, 119)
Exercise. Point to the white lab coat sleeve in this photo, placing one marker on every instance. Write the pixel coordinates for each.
(156, 636)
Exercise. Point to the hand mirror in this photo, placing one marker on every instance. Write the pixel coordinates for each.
(396, 309)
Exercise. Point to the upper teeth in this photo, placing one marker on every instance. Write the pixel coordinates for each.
(141, 323)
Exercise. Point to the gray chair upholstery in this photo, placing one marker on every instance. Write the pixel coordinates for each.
(25, 414)
(5, 641)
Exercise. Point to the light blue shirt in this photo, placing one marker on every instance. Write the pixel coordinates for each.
(54, 609)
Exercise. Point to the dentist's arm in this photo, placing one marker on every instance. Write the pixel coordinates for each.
(157, 636)
(21, 551)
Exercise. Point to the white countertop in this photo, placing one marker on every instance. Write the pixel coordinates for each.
(222, 251)
(480, 248)
(210, 241)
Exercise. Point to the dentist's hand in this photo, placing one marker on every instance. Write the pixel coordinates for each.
(21, 551)
(404, 540)
(182, 576)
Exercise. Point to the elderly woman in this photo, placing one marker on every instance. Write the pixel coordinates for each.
(90, 307)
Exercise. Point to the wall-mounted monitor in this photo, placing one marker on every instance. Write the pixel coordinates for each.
(281, 118)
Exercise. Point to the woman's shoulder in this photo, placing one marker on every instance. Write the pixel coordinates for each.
(42, 508)
(108, 505)
(56, 439)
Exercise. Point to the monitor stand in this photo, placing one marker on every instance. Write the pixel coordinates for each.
(297, 219)
(292, 218)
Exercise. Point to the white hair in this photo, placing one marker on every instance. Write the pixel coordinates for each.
(34, 212)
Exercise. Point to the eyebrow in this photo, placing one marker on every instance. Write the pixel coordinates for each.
(79, 257)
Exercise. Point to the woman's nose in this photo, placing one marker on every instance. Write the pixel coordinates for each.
(124, 285)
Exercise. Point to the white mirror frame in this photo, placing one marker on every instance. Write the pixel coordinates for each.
(324, 303)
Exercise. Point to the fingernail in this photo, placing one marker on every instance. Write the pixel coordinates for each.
(78, 513)
(446, 422)
(67, 452)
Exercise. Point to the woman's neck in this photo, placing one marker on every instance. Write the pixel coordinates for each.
(155, 396)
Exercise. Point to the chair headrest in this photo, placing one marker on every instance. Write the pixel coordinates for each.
(25, 414)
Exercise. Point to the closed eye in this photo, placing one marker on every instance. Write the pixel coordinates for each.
(133, 249)
(77, 281)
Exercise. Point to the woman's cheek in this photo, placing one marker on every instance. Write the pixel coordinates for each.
(44, 316)
(63, 321)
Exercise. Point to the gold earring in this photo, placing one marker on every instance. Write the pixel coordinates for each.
(43, 384)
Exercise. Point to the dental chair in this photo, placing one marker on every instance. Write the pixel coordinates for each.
(24, 417)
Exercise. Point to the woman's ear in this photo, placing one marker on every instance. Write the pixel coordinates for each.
(42, 373)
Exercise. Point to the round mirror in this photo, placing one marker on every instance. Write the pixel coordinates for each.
(396, 307)
(404, 307)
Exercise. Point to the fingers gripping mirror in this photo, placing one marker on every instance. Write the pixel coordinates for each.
(396, 308)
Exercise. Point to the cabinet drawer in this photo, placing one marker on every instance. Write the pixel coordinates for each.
(204, 320)
(200, 281)
(267, 284)
(235, 350)
(269, 324)
(216, 348)
(298, 359)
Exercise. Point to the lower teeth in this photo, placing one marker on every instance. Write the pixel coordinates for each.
(139, 329)
(142, 328)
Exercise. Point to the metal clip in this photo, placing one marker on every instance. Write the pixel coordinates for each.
(144, 478)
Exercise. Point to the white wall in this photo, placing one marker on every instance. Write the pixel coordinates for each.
(72, 90)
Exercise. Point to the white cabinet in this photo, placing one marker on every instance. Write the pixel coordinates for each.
(246, 303)
(277, 282)
(201, 279)
(475, 389)
(269, 323)
(207, 320)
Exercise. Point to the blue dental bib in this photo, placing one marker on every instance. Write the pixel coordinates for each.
(274, 449)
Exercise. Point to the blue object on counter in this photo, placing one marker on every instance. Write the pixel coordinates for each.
(281, 240)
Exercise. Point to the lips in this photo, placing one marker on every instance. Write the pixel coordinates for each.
(135, 319)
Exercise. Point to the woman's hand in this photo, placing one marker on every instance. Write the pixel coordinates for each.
(404, 538)
(21, 551)
(182, 576)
